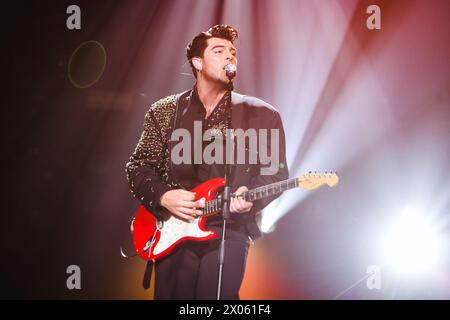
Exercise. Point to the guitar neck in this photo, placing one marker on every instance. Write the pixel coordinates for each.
(309, 181)
(270, 189)
(214, 206)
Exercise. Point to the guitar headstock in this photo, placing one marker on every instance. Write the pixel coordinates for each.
(313, 180)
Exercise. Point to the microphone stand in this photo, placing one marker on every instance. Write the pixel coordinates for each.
(226, 198)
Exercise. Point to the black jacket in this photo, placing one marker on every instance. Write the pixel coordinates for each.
(149, 170)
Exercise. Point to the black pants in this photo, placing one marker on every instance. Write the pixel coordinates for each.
(191, 271)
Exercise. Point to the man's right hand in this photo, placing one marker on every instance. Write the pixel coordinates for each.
(181, 204)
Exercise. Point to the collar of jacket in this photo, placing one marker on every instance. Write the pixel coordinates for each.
(238, 119)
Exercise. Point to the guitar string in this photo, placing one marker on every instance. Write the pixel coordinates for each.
(212, 206)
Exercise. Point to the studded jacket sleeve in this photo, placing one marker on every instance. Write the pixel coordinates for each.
(144, 166)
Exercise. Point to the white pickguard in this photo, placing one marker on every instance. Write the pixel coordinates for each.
(174, 229)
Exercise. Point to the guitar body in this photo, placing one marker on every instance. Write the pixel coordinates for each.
(172, 231)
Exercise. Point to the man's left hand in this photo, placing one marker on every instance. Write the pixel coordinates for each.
(238, 204)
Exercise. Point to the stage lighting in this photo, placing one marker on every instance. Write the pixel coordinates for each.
(266, 221)
(412, 244)
(267, 226)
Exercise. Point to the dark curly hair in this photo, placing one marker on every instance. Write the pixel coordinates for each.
(198, 45)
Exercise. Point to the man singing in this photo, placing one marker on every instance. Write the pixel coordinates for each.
(162, 185)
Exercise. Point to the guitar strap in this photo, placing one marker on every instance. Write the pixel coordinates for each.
(147, 274)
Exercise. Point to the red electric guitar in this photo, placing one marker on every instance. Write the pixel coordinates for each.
(154, 239)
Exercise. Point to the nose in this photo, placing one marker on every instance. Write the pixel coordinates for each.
(230, 56)
(231, 59)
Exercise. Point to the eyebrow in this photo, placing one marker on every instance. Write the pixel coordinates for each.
(222, 46)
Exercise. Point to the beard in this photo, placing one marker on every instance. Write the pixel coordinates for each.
(219, 78)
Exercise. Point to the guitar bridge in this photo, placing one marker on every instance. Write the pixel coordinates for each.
(150, 242)
(148, 245)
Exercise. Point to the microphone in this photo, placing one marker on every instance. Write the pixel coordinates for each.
(230, 70)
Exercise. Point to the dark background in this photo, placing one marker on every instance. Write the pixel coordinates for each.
(65, 196)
